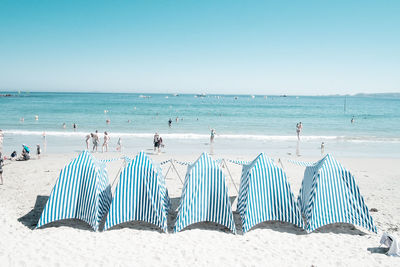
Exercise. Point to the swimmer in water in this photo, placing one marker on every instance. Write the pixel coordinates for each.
(64, 125)
(74, 126)
(169, 122)
(352, 120)
(108, 121)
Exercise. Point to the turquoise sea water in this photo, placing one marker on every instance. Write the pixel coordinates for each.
(241, 117)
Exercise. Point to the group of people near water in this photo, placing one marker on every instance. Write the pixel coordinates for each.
(95, 141)
(25, 155)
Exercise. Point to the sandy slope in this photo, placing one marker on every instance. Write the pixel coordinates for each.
(28, 184)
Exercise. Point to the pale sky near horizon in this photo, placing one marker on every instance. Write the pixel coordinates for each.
(257, 47)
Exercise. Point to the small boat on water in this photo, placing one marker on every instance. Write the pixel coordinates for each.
(145, 96)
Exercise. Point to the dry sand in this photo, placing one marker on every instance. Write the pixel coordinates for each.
(28, 185)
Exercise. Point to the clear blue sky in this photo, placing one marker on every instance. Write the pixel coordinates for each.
(258, 47)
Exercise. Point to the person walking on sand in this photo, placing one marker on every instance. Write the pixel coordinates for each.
(106, 140)
(95, 140)
(87, 140)
(322, 148)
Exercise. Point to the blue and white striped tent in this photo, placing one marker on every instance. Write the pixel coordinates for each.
(329, 194)
(265, 195)
(82, 191)
(204, 196)
(141, 195)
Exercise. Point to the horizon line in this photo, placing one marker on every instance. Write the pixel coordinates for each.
(189, 93)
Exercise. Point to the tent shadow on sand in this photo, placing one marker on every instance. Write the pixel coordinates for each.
(280, 226)
(136, 225)
(339, 228)
(378, 250)
(209, 226)
(31, 219)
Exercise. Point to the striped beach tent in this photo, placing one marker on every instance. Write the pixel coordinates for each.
(265, 195)
(204, 196)
(329, 194)
(141, 195)
(82, 191)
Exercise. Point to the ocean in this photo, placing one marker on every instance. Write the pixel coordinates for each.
(237, 119)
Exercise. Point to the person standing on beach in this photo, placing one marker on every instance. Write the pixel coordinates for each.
(299, 127)
(106, 140)
(74, 126)
(95, 140)
(157, 142)
(212, 136)
(1, 168)
(1, 140)
(322, 148)
(38, 151)
(87, 140)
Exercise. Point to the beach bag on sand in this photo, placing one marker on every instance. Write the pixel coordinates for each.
(393, 244)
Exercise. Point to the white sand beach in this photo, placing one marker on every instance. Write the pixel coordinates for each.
(27, 186)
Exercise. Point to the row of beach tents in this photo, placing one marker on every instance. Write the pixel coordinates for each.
(329, 194)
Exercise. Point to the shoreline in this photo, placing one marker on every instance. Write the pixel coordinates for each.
(236, 146)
